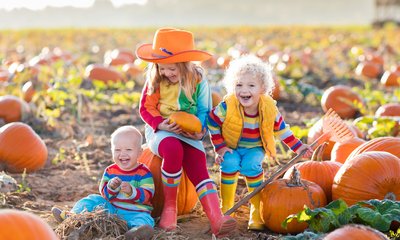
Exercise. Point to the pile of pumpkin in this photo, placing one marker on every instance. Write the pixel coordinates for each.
(358, 170)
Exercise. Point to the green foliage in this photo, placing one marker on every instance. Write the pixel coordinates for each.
(394, 235)
(23, 186)
(374, 213)
(303, 236)
(299, 132)
(377, 126)
(374, 98)
(59, 156)
(294, 87)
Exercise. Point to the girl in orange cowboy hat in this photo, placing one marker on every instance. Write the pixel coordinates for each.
(174, 83)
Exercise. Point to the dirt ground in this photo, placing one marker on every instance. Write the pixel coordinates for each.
(78, 172)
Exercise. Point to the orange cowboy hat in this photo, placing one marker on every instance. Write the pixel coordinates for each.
(171, 45)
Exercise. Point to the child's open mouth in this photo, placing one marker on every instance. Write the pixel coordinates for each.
(245, 97)
(124, 161)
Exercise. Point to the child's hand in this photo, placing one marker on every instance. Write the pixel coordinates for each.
(173, 127)
(196, 135)
(126, 188)
(114, 183)
(308, 153)
(220, 154)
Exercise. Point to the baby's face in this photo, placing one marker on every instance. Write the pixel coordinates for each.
(248, 91)
(126, 150)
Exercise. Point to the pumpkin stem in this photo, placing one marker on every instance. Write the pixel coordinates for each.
(318, 153)
(390, 196)
(295, 178)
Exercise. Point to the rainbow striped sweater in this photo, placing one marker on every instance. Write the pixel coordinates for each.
(170, 98)
(142, 184)
(250, 136)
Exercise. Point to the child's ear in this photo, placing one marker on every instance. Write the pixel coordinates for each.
(264, 90)
(140, 152)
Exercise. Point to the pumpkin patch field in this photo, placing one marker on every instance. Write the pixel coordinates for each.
(63, 92)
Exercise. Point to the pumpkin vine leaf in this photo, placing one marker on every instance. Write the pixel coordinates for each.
(303, 236)
(374, 213)
(380, 214)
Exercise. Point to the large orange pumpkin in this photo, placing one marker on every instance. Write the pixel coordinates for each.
(390, 78)
(355, 232)
(187, 196)
(386, 144)
(341, 151)
(284, 197)
(17, 225)
(11, 110)
(370, 175)
(100, 72)
(341, 99)
(21, 147)
(188, 122)
(318, 171)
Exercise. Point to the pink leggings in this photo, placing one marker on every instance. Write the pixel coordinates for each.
(177, 155)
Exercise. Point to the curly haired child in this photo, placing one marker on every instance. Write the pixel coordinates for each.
(242, 129)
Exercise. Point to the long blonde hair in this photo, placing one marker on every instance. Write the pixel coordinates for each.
(189, 76)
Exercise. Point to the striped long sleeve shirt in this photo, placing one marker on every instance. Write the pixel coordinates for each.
(142, 184)
(251, 131)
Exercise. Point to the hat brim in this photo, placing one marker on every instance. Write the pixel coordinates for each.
(144, 53)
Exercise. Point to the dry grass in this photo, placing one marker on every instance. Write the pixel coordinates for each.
(98, 224)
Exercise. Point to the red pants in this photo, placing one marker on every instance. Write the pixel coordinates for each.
(177, 155)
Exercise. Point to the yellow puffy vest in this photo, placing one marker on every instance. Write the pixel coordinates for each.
(232, 127)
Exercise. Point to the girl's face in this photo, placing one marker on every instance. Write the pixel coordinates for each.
(248, 91)
(126, 150)
(170, 70)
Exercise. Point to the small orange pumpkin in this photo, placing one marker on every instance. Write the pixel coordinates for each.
(21, 147)
(355, 232)
(318, 171)
(368, 69)
(28, 91)
(389, 109)
(10, 108)
(100, 72)
(277, 92)
(341, 99)
(284, 197)
(187, 196)
(188, 122)
(16, 225)
(369, 175)
(216, 98)
(341, 151)
(390, 78)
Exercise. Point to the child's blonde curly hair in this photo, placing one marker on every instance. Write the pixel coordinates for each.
(251, 64)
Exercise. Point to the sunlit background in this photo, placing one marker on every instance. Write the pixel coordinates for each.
(20, 14)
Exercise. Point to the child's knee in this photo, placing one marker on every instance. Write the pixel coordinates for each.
(251, 169)
(229, 167)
